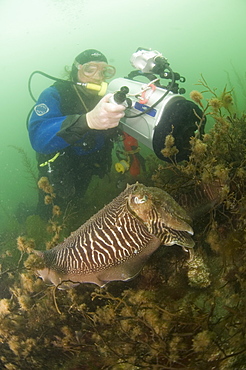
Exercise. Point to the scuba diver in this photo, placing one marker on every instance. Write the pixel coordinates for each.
(72, 129)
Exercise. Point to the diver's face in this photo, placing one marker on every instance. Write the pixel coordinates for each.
(95, 72)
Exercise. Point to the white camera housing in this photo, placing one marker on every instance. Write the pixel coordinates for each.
(143, 127)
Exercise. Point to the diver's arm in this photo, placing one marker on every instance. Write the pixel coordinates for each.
(49, 130)
(73, 128)
(103, 116)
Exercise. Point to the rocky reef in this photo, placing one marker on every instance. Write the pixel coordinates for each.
(179, 312)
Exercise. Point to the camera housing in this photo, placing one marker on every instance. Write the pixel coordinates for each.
(164, 113)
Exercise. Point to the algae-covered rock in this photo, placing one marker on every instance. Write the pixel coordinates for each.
(198, 272)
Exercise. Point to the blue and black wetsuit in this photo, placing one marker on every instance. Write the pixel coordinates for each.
(58, 125)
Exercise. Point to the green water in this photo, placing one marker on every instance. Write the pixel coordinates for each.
(196, 37)
(178, 313)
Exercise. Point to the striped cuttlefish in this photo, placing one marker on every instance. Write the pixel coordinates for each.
(116, 242)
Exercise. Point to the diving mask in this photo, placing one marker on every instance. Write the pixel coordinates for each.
(91, 68)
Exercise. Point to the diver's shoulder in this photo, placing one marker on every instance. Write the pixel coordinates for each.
(63, 86)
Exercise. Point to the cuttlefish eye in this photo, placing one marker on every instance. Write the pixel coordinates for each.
(138, 200)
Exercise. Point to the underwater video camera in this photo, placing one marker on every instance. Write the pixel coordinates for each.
(154, 110)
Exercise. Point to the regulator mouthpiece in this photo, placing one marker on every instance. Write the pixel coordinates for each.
(101, 89)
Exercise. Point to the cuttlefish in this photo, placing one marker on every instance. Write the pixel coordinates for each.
(116, 242)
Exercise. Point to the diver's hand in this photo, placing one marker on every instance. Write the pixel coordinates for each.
(105, 115)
